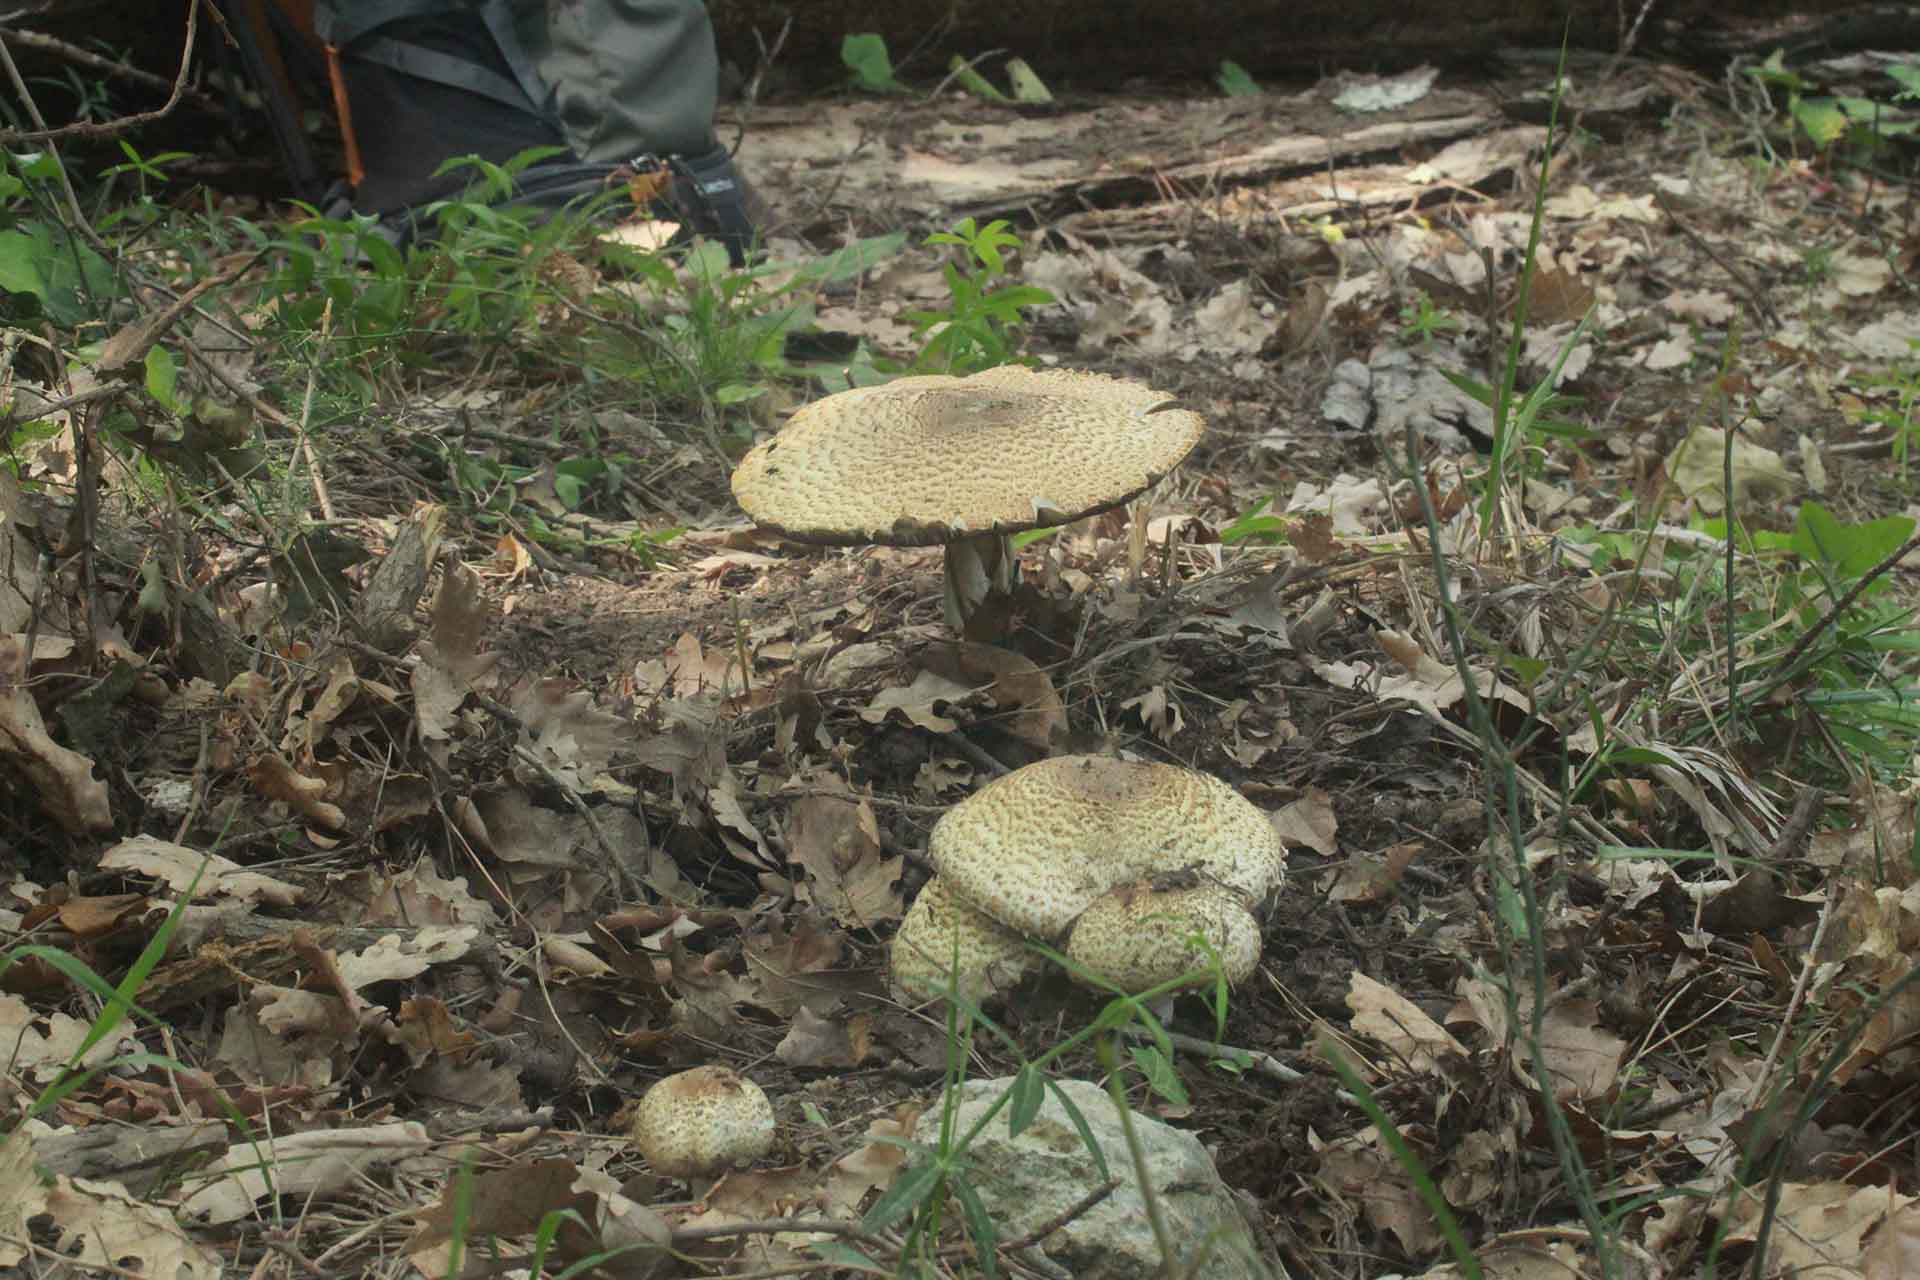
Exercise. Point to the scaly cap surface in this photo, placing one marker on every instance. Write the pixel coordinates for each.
(1136, 937)
(703, 1121)
(927, 460)
(1034, 849)
(990, 958)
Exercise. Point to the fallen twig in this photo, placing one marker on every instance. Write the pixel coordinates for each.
(87, 128)
(771, 1227)
(1754, 293)
(302, 439)
(1078, 1209)
(1263, 1063)
(107, 66)
(630, 887)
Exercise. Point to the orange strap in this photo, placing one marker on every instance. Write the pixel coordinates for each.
(356, 170)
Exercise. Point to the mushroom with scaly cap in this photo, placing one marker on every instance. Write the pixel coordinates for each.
(1140, 935)
(942, 940)
(702, 1122)
(1120, 863)
(963, 463)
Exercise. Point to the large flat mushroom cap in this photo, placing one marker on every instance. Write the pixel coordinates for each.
(1035, 848)
(927, 460)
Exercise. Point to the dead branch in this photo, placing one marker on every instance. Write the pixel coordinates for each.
(105, 128)
(107, 66)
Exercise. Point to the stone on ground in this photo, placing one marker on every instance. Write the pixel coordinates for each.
(1027, 1180)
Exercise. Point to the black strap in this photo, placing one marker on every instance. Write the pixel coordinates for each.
(276, 95)
(442, 68)
(498, 15)
(356, 26)
(341, 23)
(711, 180)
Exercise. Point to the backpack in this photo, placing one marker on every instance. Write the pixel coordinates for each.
(621, 87)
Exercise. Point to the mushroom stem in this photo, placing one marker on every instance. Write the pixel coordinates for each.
(978, 568)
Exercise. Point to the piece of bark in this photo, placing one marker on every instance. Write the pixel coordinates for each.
(385, 607)
(142, 1158)
(261, 949)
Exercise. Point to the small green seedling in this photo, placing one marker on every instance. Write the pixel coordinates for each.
(1901, 419)
(977, 329)
(865, 55)
(972, 81)
(1234, 80)
(1422, 321)
(1027, 84)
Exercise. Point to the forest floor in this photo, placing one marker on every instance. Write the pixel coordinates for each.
(638, 787)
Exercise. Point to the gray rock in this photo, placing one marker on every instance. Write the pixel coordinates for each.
(1409, 388)
(1026, 1181)
(1348, 401)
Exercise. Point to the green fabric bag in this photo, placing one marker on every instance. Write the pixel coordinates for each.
(618, 84)
(630, 77)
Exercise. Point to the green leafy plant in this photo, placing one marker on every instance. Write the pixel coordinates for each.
(46, 268)
(52, 274)
(477, 276)
(1256, 524)
(149, 174)
(865, 55)
(680, 324)
(1863, 126)
(1849, 624)
(722, 332)
(979, 326)
(92, 99)
(1422, 321)
(701, 331)
(1901, 419)
(1234, 80)
(1810, 607)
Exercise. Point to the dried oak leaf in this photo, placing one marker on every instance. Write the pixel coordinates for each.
(1030, 708)
(60, 778)
(837, 839)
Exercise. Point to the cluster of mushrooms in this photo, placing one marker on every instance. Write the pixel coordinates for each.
(1119, 864)
(1133, 870)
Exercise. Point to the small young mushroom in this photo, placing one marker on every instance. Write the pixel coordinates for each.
(942, 941)
(1139, 936)
(702, 1122)
(963, 463)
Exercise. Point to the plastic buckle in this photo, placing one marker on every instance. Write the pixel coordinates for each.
(711, 183)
